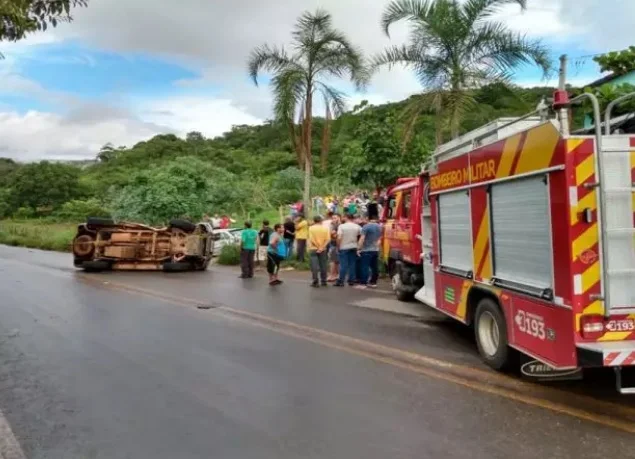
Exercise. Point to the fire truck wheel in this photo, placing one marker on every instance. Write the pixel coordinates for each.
(400, 290)
(491, 335)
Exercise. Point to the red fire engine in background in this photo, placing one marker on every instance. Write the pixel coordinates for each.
(527, 233)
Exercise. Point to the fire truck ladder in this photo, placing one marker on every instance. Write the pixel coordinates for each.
(616, 190)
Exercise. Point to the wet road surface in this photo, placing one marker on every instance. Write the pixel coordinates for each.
(204, 365)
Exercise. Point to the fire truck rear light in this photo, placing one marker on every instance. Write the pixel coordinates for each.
(592, 326)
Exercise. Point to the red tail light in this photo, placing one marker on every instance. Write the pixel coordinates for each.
(592, 327)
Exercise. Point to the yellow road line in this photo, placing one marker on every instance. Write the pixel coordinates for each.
(421, 364)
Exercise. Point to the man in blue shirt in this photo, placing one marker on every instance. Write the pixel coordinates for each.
(368, 248)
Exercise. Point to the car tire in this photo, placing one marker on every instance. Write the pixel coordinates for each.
(184, 225)
(490, 331)
(96, 266)
(202, 265)
(99, 221)
(176, 267)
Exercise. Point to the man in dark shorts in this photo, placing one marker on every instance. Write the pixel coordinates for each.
(273, 253)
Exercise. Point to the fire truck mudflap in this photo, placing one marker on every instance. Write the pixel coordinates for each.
(533, 243)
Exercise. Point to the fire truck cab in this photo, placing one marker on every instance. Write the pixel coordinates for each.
(401, 250)
(527, 234)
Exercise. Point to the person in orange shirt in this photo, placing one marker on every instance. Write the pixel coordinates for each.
(318, 242)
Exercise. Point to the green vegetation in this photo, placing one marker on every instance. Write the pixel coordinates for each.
(44, 235)
(617, 62)
(229, 255)
(21, 17)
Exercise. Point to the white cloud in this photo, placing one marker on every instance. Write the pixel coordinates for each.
(210, 116)
(37, 135)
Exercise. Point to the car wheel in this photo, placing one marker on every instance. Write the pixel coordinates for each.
(490, 330)
(96, 266)
(84, 246)
(184, 225)
(99, 221)
(176, 267)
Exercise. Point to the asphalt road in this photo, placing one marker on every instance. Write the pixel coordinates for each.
(204, 365)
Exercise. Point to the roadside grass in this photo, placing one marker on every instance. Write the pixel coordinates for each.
(37, 234)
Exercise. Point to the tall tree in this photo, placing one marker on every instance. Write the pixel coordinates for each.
(320, 53)
(455, 47)
(21, 17)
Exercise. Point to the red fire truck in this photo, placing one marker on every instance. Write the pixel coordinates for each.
(526, 232)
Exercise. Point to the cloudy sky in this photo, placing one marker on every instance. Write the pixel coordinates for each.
(125, 70)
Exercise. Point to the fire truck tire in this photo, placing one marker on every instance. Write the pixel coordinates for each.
(401, 291)
(490, 330)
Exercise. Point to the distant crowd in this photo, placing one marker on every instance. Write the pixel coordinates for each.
(342, 247)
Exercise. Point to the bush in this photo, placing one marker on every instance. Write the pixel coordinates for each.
(37, 234)
(78, 210)
(229, 255)
(24, 213)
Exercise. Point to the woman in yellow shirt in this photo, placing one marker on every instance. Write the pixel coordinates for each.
(301, 235)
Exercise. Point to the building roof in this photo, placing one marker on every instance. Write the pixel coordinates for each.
(607, 79)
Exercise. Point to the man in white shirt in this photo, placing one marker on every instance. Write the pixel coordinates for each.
(347, 236)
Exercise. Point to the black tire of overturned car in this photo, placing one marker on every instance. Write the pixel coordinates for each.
(95, 266)
(176, 267)
(184, 225)
(94, 222)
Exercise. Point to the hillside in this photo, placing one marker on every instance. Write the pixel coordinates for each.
(249, 169)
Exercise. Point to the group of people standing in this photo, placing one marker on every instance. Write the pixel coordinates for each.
(341, 249)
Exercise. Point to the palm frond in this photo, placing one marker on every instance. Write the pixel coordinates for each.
(268, 58)
(398, 10)
(428, 101)
(289, 88)
(476, 11)
(335, 54)
(333, 98)
(507, 50)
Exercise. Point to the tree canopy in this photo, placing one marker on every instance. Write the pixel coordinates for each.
(617, 62)
(21, 17)
(454, 48)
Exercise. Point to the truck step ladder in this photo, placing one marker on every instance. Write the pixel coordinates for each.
(619, 232)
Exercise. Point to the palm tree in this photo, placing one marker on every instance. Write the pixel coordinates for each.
(455, 47)
(319, 54)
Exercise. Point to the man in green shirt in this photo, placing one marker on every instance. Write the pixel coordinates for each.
(248, 245)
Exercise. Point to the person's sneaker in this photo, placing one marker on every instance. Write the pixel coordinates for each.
(372, 285)
(324, 284)
(352, 284)
(360, 287)
(338, 284)
(315, 284)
